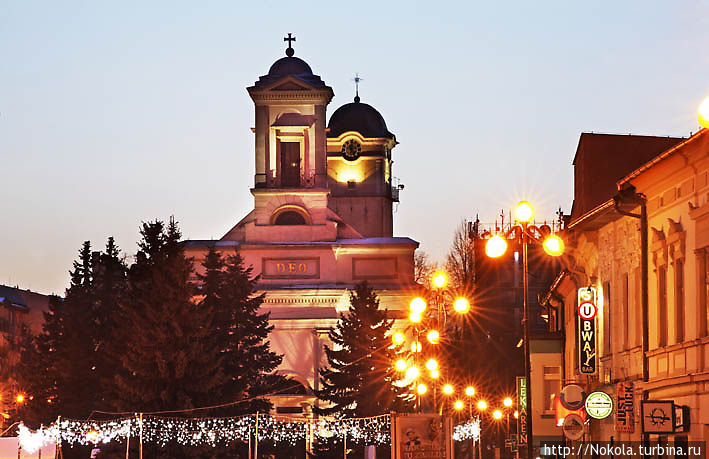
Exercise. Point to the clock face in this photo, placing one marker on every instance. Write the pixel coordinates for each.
(351, 150)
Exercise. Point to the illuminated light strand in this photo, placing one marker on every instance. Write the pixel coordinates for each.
(207, 431)
(470, 429)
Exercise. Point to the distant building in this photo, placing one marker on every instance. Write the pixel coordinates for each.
(20, 308)
(322, 217)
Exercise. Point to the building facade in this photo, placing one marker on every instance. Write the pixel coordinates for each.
(604, 259)
(322, 217)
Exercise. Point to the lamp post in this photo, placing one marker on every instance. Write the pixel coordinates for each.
(553, 245)
(425, 321)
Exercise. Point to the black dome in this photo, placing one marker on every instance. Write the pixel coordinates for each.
(290, 66)
(358, 117)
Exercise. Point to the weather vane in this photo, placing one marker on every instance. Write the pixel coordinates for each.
(356, 79)
(289, 51)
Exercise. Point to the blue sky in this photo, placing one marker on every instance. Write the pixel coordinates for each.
(116, 112)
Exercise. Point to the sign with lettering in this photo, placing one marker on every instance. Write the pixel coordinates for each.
(422, 436)
(587, 330)
(625, 408)
(522, 409)
(290, 268)
(599, 405)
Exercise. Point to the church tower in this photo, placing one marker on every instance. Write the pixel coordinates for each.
(321, 221)
(359, 168)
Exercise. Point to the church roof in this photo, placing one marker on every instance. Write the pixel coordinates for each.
(359, 117)
(290, 65)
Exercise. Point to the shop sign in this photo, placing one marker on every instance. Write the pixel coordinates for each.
(625, 408)
(599, 405)
(588, 337)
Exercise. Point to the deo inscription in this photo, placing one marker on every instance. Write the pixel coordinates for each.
(291, 268)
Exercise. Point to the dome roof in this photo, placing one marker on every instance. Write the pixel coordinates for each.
(290, 65)
(358, 117)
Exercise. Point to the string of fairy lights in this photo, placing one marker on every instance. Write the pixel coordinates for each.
(214, 432)
(206, 431)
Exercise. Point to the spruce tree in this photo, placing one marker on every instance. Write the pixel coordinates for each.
(359, 380)
(165, 350)
(242, 332)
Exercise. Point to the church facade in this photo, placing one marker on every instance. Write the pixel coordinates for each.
(322, 218)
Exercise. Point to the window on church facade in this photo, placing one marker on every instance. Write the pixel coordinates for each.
(290, 164)
(290, 218)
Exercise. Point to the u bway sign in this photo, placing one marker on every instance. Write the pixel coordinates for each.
(588, 338)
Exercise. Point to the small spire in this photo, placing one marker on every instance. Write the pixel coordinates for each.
(356, 79)
(289, 51)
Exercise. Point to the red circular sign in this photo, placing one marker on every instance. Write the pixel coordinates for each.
(587, 310)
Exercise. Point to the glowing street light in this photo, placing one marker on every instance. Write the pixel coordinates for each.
(20, 398)
(507, 402)
(553, 245)
(401, 365)
(703, 113)
(417, 305)
(421, 389)
(461, 305)
(416, 346)
(516, 414)
(459, 405)
(432, 364)
(433, 336)
(497, 415)
(470, 391)
(524, 212)
(434, 374)
(415, 317)
(496, 246)
(398, 338)
(448, 389)
(412, 373)
(439, 279)
(482, 405)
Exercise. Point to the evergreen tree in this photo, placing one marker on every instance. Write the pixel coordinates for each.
(359, 380)
(166, 352)
(248, 362)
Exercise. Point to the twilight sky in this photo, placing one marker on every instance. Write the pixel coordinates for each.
(116, 112)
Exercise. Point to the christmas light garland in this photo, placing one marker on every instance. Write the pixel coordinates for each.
(470, 429)
(206, 431)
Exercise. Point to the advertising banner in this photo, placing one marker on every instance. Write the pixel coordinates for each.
(422, 436)
(587, 312)
(625, 408)
(522, 409)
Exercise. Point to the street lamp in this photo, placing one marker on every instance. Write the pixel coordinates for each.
(507, 402)
(703, 113)
(553, 245)
(497, 415)
(448, 389)
(459, 405)
(482, 405)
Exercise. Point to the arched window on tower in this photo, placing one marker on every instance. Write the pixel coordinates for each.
(290, 218)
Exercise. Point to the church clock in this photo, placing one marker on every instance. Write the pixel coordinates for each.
(351, 150)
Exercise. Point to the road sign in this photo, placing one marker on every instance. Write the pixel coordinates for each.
(572, 397)
(599, 405)
(587, 310)
(573, 427)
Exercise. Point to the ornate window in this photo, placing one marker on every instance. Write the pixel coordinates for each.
(290, 215)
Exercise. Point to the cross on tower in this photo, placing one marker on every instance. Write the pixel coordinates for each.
(289, 39)
(357, 79)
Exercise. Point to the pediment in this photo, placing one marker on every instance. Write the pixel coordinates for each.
(289, 83)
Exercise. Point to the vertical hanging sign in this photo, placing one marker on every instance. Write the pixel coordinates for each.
(625, 408)
(588, 338)
(522, 410)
